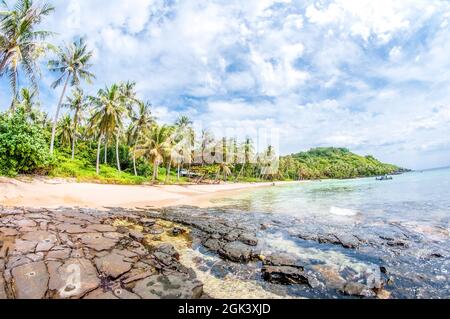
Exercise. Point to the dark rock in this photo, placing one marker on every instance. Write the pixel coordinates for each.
(212, 244)
(147, 222)
(236, 251)
(177, 231)
(249, 239)
(284, 275)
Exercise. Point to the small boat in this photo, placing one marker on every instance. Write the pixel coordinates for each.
(384, 178)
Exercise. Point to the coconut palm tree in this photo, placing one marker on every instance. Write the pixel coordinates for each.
(78, 102)
(186, 132)
(72, 65)
(248, 154)
(20, 44)
(64, 130)
(141, 122)
(156, 146)
(107, 116)
(27, 100)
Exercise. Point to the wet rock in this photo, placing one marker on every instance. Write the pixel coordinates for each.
(284, 275)
(249, 239)
(156, 230)
(167, 249)
(282, 260)
(172, 286)
(357, 290)
(177, 231)
(236, 251)
(113, 265)
(30, 281)
(73, 279)
(147, 222)
(212, 244)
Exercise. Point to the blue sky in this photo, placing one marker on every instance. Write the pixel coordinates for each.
(373, 76)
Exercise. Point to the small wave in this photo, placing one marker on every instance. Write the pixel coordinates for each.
(343, 211)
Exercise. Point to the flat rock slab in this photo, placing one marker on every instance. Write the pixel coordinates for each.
(113, 265)
(30, 281)
(168, 287)
(97, 241)
(73, 279)
(6, 231)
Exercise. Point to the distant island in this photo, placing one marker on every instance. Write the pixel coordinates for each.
(334, 163)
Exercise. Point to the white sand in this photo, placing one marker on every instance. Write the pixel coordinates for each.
(49, 193)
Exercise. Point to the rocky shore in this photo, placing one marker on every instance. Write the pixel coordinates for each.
(133, 254)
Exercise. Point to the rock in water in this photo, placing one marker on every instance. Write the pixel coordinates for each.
(236, 251)
(284, 275)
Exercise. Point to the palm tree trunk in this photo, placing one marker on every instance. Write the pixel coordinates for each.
(98, 154)
(168, 171)
(134, 162)
(55, 122)
(117, 154)
(75, 122)
(178, 172)
(155, 170)
(106, 149)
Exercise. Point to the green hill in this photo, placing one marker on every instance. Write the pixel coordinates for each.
(336, 163)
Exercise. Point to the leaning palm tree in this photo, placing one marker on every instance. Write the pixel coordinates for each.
(156, 146)
(20, 44)
(77, 103)
(72, 65)
(141, 122)
(107, 116)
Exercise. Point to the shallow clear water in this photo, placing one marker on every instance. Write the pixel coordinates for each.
(422, 197)
(413, 208)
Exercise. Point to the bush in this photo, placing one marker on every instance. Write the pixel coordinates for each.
(23, 147)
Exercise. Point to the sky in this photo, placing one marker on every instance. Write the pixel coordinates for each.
(372, 76)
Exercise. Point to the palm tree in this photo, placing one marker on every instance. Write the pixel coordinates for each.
(248, 153)
(27, 100)
(64, 130)
(72, 65)
(107, 116)
(141, 122)
(156, 146)
(77, 103)
(184, 129)
(20, 44)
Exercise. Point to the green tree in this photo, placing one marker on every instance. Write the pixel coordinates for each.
(77, 103)
(156, 146)
(73, 66)
(107, 116)
(141, 122)
(23, 148)
(21, 44)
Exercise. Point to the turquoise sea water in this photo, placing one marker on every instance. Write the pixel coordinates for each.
(403, 226)
(421, 197)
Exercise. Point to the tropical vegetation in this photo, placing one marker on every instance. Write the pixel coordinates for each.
(111, 136)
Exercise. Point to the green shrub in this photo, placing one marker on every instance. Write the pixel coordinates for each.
(23, 147)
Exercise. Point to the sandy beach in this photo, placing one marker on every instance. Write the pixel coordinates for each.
(50, 193)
